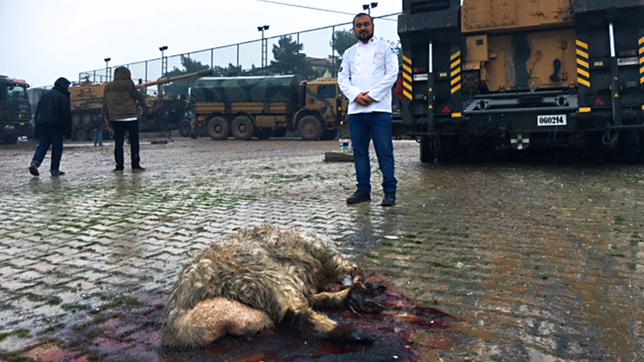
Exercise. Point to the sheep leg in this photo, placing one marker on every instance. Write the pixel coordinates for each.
(330, 299)
(212, 319)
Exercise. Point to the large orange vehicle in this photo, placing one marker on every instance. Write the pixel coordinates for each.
(87, 108)
(165, 114)
(484, 74)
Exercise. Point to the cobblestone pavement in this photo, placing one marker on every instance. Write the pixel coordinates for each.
(538, 261)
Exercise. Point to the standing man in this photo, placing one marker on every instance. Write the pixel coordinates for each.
(369, 70)
(53, 121)
(121, 109)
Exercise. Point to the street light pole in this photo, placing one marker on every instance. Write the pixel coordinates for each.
(107, 69)
(368, 7)
(264, 48)
(164, 60)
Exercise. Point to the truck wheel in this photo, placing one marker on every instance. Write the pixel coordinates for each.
(310, 128)
(329, 134)
(184, 128)
(242, 128)
(264, 133)
(218, 128)
(446, 149)
(426, 150)
(629, 146)
(87, 120)
(80, 135)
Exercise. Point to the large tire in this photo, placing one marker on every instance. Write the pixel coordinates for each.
(310, 128)
(242, 127)
(218, 128)
(426, 150)
(80, 135)
(329, 134)
(76, 123)
(264, 133)
(446, 150)
(185, 128)
(88, 122)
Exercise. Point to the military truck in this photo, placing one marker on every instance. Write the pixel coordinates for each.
(165, 113)
(87, 108)
(15, 110)
(266, 106)
(518, 74)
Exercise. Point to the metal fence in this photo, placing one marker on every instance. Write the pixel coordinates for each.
(317, 45)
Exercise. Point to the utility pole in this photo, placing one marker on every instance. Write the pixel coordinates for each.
(107, 69)
(264, 48)
(164, 60)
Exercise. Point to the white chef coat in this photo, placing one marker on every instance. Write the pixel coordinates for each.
(370, 67)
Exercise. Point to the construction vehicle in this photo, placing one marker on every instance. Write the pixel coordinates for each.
(87, 108)
(165, 113)
(267, 106)
(15, 110)
(520, 74)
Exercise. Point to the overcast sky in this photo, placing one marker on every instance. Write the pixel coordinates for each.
(44, 39)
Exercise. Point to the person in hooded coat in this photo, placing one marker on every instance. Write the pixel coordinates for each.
(53, 122)
(121, 109)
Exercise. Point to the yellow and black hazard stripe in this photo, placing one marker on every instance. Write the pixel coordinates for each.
(583, 63)
(641, 53)
(455, 76)
(407, 78)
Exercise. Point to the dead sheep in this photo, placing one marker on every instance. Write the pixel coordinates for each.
(254, 281)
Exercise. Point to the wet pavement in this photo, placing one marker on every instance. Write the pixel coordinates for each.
(537, 261)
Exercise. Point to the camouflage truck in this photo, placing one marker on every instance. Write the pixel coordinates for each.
(165, 113)
(490, 74)
(15, 110)
(262, 107)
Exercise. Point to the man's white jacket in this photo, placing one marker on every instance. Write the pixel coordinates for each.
(372, 68)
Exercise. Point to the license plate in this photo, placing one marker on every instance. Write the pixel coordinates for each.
(552, 120)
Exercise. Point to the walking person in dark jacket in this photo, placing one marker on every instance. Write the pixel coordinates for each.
(122, 101)
(53, 122)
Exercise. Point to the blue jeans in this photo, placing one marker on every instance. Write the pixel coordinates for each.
(47, 138)
(98, 137)
(376, 127)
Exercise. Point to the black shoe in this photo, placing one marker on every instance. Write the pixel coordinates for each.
(389, 200)
(358, 197)
(137, 168)
(118, 169)
(33, 170)
(57, 173)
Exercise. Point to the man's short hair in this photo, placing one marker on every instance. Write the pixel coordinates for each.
(359, 16)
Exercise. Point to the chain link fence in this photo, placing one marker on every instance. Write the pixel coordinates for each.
(321, 48)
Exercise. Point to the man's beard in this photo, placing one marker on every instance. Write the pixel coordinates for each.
(364, 36)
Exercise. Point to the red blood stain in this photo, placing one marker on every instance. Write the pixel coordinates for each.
(134, 335)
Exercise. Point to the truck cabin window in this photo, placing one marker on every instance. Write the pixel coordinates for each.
(16, 92)
(327, 91)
